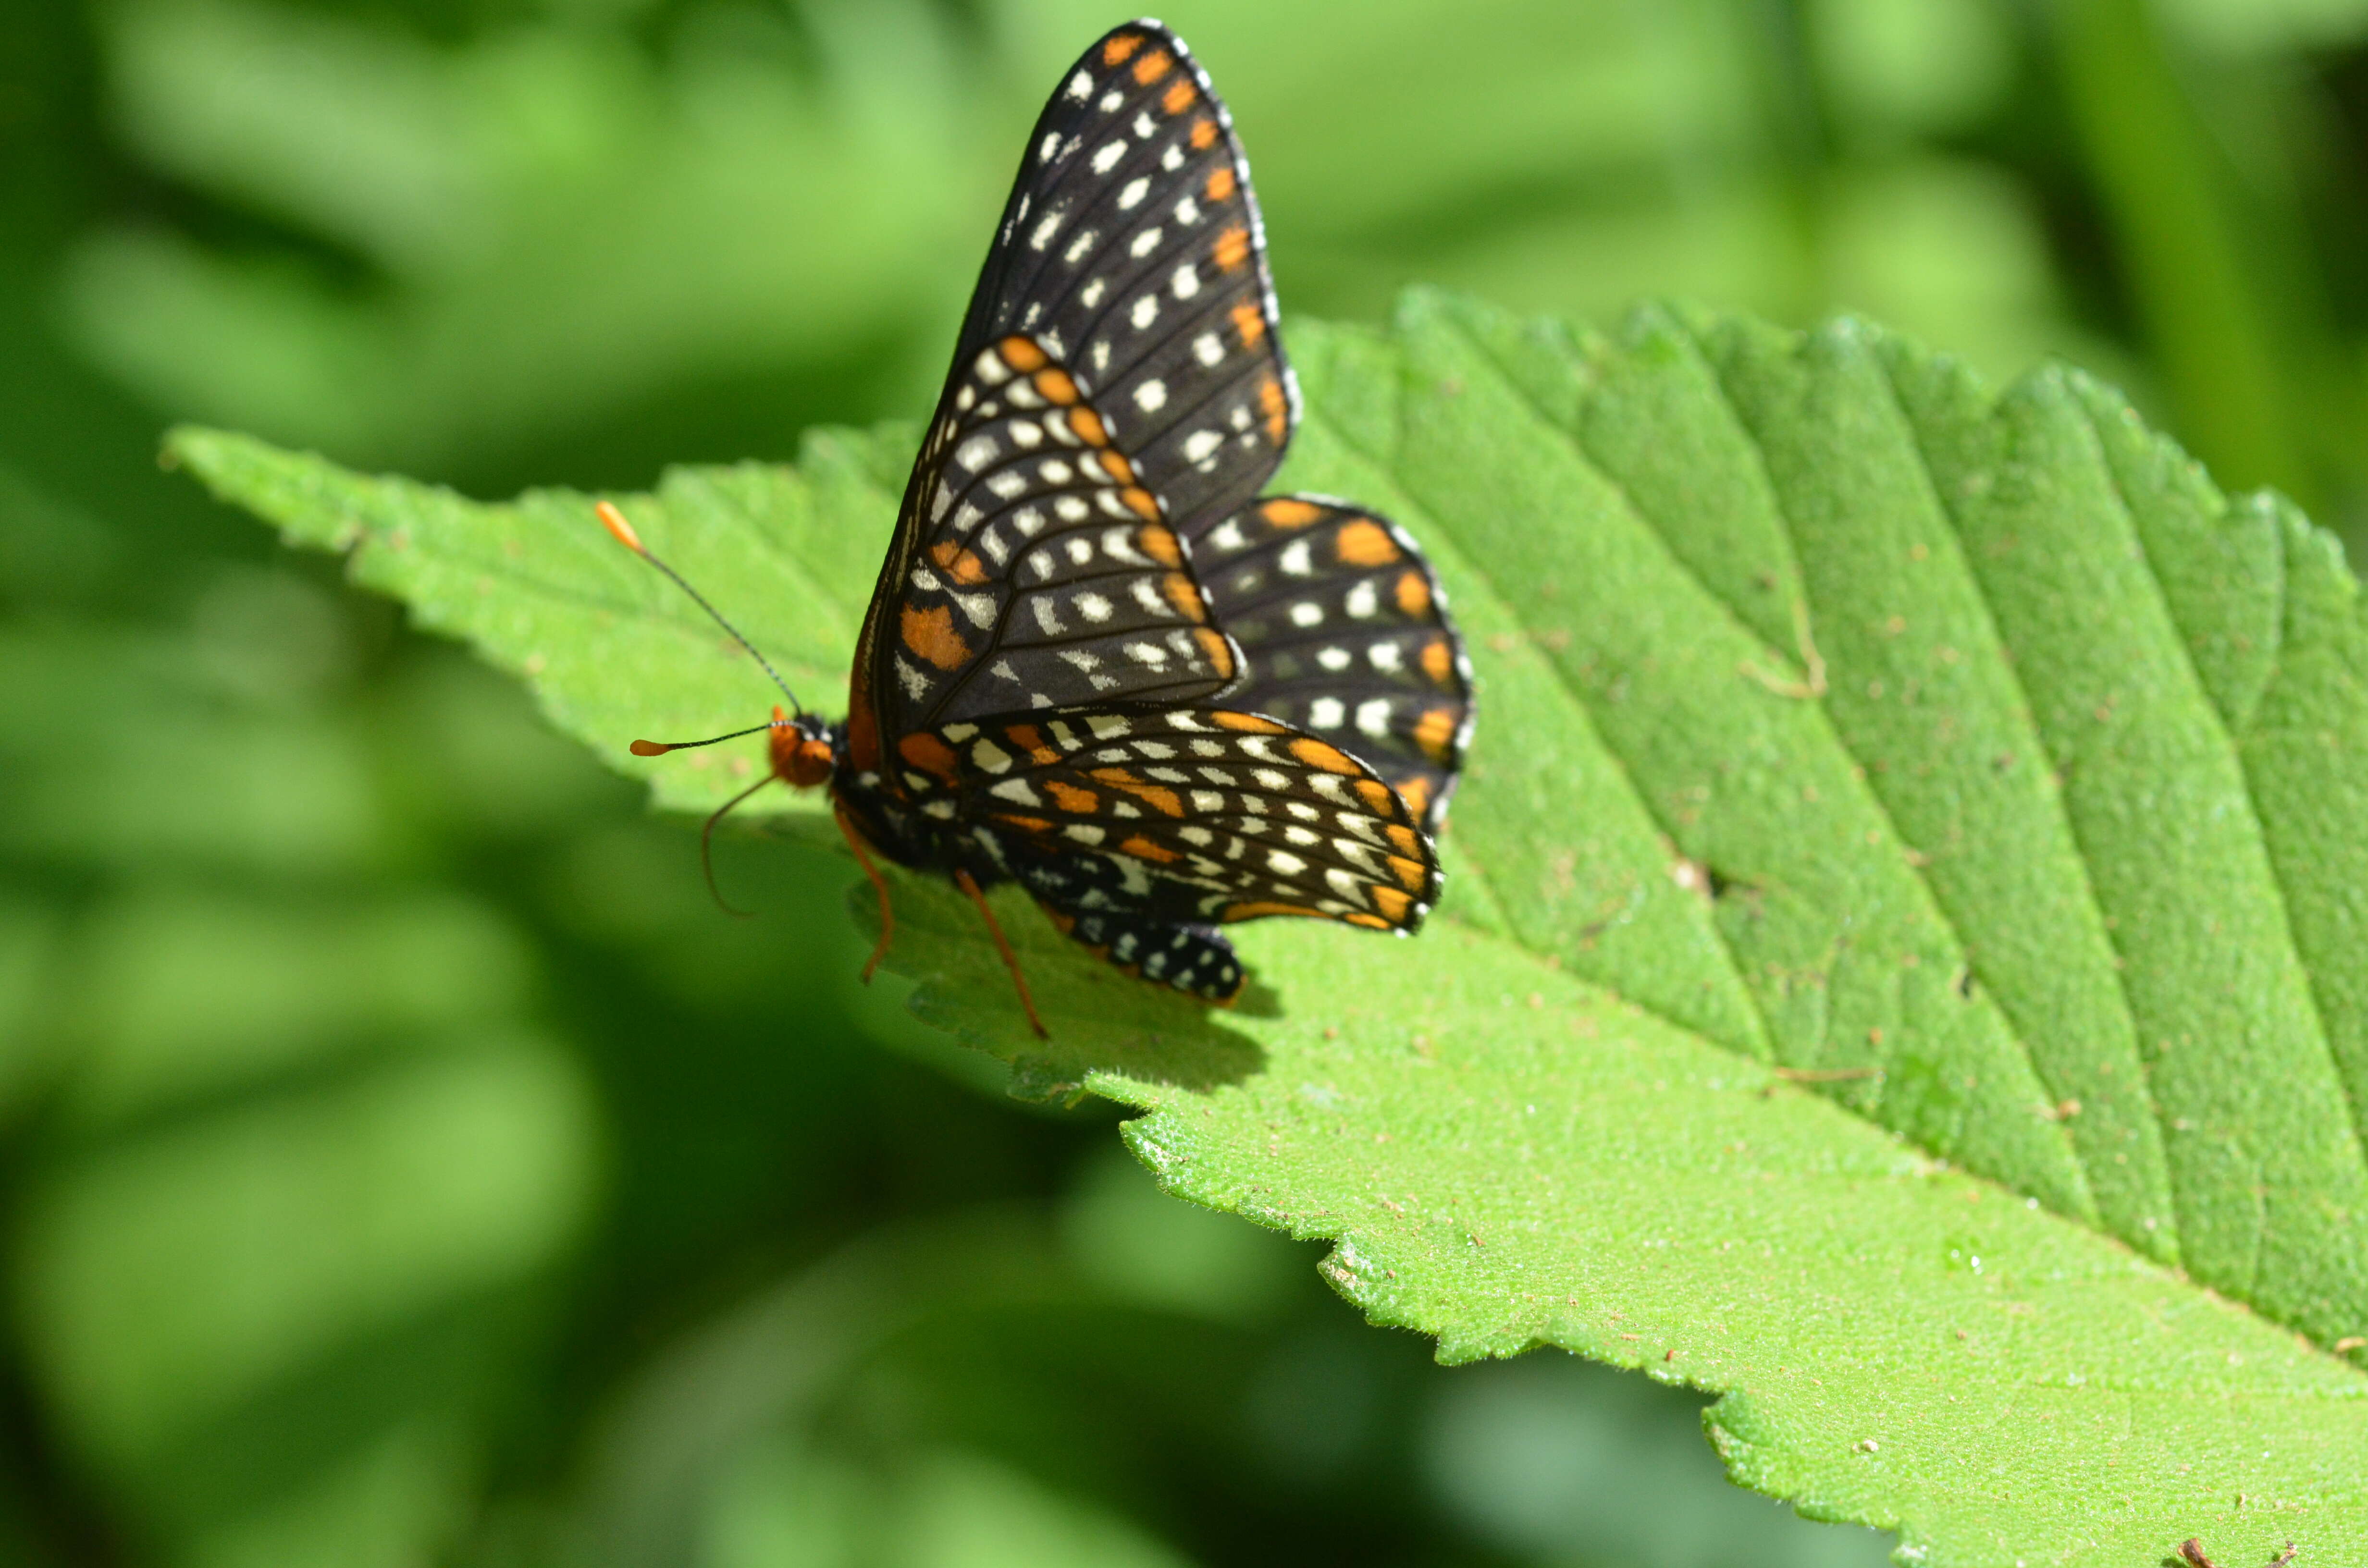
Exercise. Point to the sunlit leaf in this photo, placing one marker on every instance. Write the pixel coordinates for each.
(1902, 965)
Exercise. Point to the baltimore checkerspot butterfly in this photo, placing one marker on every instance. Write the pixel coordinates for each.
(1096, 663)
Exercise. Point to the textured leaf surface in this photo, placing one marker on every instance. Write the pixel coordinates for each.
(1902, 964)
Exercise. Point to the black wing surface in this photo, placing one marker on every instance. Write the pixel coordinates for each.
(1187, 817)
(1117, 383)
(1347, 636)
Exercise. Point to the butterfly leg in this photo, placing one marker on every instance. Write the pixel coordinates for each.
(880, 885)
(964, 880)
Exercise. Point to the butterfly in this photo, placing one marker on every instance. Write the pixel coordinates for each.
(1098, 663)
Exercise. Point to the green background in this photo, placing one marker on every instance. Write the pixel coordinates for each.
(403, 1161)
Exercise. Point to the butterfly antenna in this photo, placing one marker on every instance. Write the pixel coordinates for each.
(659, 748)
(707, 841)
(623, 531)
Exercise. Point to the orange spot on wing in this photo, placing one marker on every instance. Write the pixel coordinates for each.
(1181, 592)
(1257, 909)
(1159, 544)
(1378, 799)
(1178, 99)
(1277, 409)
(1289, 511)
(1366, 543)
(1221, 183)
(959, 563)
(1393, 903)
(1247, 724)
(1316, 754)
(1153, 66)
(1056, 386)
(1163, 801)
(1030, 739)
(1204, 130)
(929, 754)
(1250, 322)
(1021, 353)
(1120, 50)
(1216, 649)
(1233, 248)
(1072, 800)
(931, 633)
(1117, 467)
(1416, 792)
(1026, 825)
(1438, 661)
(1088, 426)
(1413, 595)
(1138, 501)
(1434, 733)
(1409, 873)
(1371, 922)
(1142, 848)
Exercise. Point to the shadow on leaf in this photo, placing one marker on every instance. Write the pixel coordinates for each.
(1100, 1019)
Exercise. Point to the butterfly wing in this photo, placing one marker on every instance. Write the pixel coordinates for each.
(1116, 382)
(1131, 245)
(1154, 822)
(1347, 636)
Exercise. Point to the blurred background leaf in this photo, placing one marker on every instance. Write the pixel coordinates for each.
(385, 1116)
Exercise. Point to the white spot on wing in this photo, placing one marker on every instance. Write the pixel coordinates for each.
(1144, 243)
(1093, 607)
(1106, 158)
(1145, 312)
(1373, 717)
(1151, 396)
(1132, 196)
(1326, 713)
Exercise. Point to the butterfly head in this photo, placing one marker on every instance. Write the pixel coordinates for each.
(802, 752)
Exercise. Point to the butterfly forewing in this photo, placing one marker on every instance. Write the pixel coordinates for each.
(1037, 569)
(1346, 635)
(1132, 246)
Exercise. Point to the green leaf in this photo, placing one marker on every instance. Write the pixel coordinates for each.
(1902, 968)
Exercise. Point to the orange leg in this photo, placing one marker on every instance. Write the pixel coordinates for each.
(1010, 961)
(878, 883)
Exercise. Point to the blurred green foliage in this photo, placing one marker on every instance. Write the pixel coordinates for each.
(404, 1162)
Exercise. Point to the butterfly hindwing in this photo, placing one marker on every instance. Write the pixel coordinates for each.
(1345, 635)
(1186, 816)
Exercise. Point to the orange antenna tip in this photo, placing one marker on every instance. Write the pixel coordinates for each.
(614, 521)
(649, 748)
